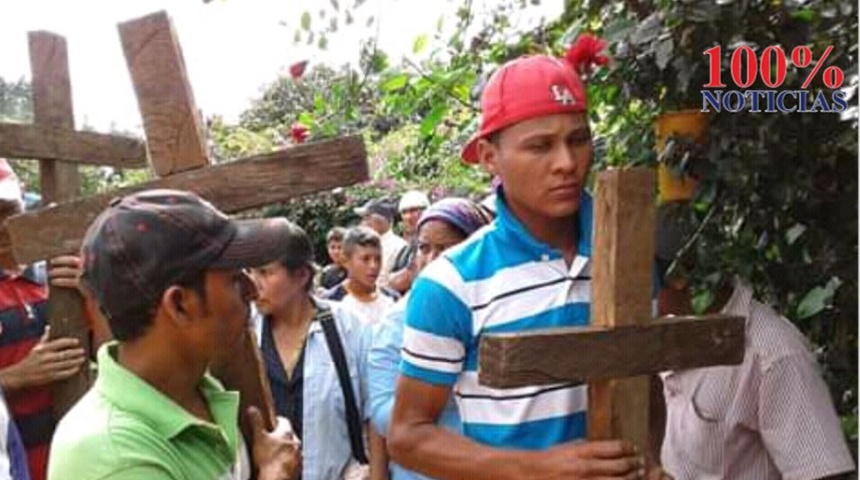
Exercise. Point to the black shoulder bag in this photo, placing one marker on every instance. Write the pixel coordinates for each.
(335, 347)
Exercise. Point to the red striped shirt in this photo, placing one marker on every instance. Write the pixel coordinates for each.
(23, 317)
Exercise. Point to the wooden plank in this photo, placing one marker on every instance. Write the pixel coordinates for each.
(52, 143)
(622, 269)
(245, 372)
(174, 131)
(52, 107)
(542, 357)
(7, 257)
(232, 187)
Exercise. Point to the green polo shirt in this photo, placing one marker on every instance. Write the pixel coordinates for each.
(124, 428)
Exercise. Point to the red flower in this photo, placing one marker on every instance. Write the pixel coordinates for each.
(585, 53)
(299, 133)
(298, 69)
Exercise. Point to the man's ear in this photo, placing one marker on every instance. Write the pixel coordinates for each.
(488, 154)
(177, 303)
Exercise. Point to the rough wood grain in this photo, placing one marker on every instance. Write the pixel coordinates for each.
(52, 107)
(245, 372)
(621, 269)
(232, 187)
(7, 257)
(174, 131)
(541, 357)
(53, 143)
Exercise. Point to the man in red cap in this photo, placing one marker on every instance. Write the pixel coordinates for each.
(529, 270)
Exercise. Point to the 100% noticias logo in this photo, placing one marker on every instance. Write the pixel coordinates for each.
(773, 67)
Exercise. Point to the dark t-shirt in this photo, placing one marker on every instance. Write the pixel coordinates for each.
(332, 275)
(405, 257)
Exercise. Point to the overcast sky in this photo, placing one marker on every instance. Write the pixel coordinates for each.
(232, 48)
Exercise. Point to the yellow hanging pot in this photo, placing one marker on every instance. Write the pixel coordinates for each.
(689, 123)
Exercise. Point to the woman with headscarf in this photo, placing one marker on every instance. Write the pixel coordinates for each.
(443, 225)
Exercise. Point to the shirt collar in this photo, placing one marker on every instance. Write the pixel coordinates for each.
(740, 302)
(34, 273)
(510, 224)
(137, 397)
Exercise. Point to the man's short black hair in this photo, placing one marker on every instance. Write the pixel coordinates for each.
(360, 236)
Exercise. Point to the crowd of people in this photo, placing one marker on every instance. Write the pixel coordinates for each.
(372, 360)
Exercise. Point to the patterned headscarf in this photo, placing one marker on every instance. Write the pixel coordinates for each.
(461, 213)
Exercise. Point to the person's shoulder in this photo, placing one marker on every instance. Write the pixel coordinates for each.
(394, 240)
(481, 254)
(335, 294)
(773, 337)
(100, 439)
(345, 319)
(391, 294)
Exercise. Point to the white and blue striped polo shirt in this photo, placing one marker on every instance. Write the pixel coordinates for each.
(500, 280)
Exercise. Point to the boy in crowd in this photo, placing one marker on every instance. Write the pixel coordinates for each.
(360, 293)
(378, 214)
(334, 273)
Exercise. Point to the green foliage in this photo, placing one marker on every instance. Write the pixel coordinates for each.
(15, 101)
(778, 191)
(317, 214)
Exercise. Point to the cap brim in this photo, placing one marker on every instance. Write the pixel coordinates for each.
(469, 154)
(255, 244)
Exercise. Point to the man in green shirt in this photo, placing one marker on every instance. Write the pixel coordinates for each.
(166, 270)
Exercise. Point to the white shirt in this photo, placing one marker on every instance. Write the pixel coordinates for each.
(368, 312)
(391, 246)
(769, 418)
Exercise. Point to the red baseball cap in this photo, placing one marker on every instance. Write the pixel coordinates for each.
(535, 86)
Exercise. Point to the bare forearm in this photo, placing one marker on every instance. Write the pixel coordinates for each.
(378, 456)
(400, 280)
(441, 454)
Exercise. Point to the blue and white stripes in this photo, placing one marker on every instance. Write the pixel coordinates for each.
(502, 279)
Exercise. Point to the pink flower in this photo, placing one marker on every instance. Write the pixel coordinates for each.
(299, 133)
(585, 53)
(298, 69)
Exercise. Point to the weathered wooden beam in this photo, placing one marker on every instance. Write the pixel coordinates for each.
(53, 143)
(52, 107)
(60, 181)
(244, 371)
(541, 357)
(244, 184)
(174, 131)
(621, 271)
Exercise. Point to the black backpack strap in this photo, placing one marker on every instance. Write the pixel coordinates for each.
(335, 347)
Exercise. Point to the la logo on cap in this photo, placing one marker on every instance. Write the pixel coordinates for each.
(562, 95)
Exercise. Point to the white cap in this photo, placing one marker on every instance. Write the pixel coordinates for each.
(10, 188)
(413, 199)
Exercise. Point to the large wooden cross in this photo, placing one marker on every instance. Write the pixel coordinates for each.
(179, 156)
(52, 140)
(623, 345)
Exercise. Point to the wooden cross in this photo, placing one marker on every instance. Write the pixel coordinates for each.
(178, 154)
(52, 140)
(623, 344)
